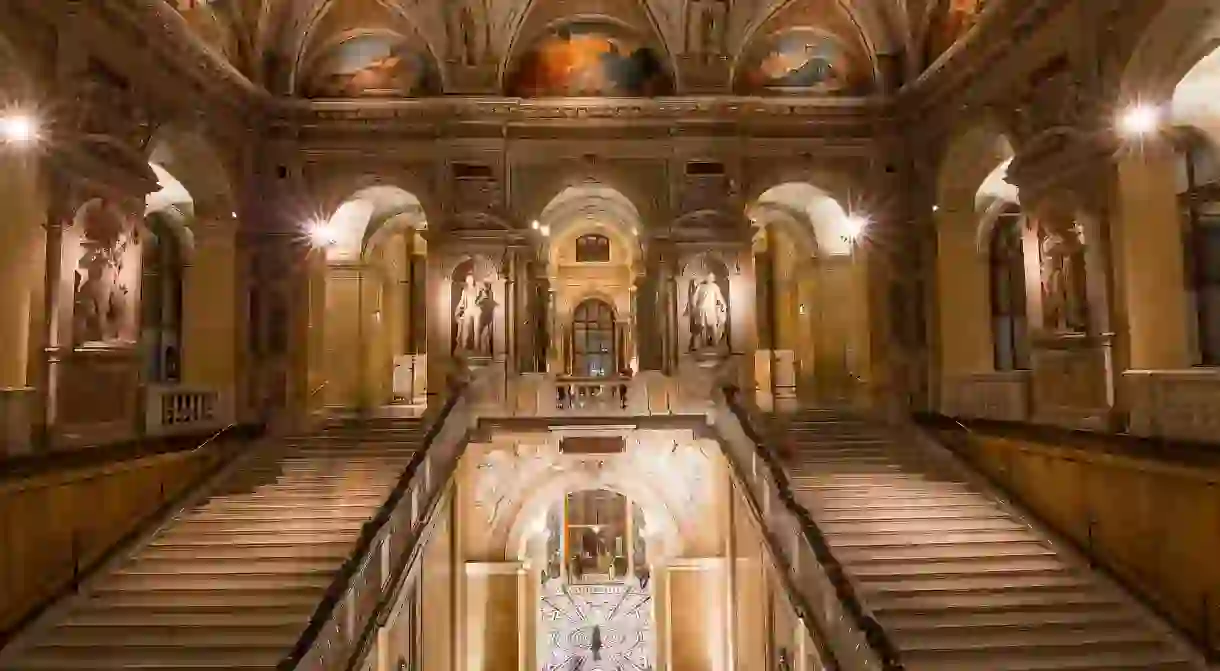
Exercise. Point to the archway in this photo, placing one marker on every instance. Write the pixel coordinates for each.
(592, 250)
(371, 348)
(1168, 193)
(191, 287)
(982, 246)
(811, 293)
(166, 252)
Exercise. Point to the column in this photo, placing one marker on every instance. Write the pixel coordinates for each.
(342, 333)
(21, 268)
(1149, 258)
(209, 310)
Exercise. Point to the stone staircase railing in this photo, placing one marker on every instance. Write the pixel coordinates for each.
(854, 639)
(347, 617)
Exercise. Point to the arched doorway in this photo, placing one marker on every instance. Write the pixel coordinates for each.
(812, 302)
(368, 338)
(596, 604)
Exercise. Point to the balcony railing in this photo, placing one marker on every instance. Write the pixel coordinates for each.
(543, 395)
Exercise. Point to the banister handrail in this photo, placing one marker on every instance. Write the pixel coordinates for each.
(876, 636)
(342, 582)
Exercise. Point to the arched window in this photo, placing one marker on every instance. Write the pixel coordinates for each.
(1008, 315)
(1199, 197)
(592, 248)
(593, 342)
(161, 301)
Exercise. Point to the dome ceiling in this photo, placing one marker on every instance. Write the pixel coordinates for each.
(415, 48)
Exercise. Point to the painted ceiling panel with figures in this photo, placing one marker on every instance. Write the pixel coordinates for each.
(354, 48)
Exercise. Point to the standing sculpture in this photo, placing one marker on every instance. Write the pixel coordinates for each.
(101, 297)
(708, 312)
(1063, 285)
(472, 317)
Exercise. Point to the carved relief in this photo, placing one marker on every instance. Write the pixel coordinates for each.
(503, 473)
(105, 280)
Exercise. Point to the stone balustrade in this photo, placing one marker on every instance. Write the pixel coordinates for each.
(178, 409)
(15, 420)
(1174, 404)
(1003, 396)
(543, 395)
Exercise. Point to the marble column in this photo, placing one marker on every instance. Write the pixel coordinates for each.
(21, 268)
(209, 310)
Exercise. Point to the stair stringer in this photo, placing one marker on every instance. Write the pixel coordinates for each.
(57, 610)
(1063, 547)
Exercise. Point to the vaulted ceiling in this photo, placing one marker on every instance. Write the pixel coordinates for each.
(295, 47)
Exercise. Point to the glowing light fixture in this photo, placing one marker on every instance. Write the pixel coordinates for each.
(534, 225)
(19, 129)
(854, 226)
(321, 234)
(936, 208)
(545, 230)
(1140, 120)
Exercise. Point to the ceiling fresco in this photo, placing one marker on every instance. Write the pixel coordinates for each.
(609, 47)
(373, 66)
(586, 59)
(799, 61)
(950, 21)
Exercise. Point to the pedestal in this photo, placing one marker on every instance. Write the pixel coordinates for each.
(15, 407)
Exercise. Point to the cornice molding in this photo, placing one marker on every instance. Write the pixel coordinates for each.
(500, 117)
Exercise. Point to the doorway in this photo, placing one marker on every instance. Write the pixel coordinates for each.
(596, 605)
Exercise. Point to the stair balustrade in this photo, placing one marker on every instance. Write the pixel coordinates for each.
(853, 636)
(346, 620)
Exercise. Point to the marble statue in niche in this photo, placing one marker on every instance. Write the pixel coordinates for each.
(1064, 293)
(102, 289)
(473, 313)
(708, 312)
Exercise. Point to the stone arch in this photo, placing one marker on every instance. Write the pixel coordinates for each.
(592, 208)
(972, 196)
(367, 217)
(193, 160)
(517, 530)
(1169, 44)
(812, 215)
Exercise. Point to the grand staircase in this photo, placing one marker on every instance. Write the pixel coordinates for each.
(954, 576)
(232, 582)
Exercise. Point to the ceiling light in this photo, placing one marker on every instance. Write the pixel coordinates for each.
(534, 225)
(18, 129)
(1140, 120)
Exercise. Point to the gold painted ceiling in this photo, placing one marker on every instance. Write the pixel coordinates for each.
(412, 48)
